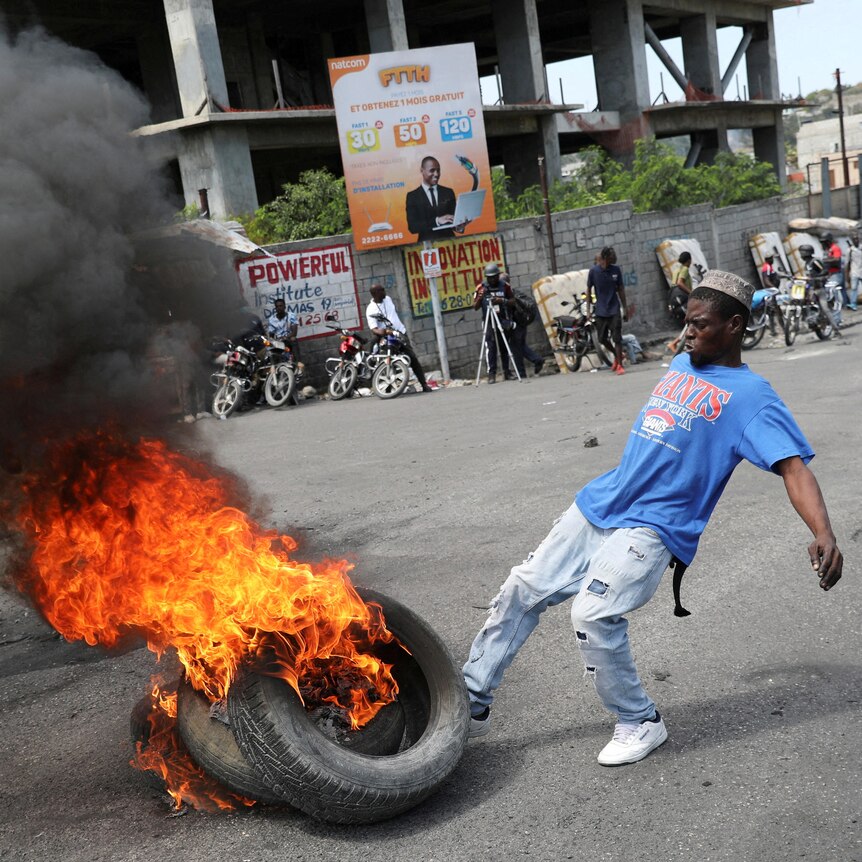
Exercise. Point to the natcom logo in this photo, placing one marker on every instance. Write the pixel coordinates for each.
(346, 65)
(657, 422)
(352, 63)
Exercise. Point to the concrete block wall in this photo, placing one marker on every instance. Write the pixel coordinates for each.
(578, 237)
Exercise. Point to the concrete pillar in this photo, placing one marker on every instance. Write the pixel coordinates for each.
(216, 157)
(522, 75)
(619, 56)
(387, 28)
(261, 62)
(762, 67)
(700, 53)
(157, 73)
(197, 54)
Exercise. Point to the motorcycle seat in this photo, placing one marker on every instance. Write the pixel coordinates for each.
(566, 321)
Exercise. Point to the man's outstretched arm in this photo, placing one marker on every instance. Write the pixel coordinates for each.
(805, 495)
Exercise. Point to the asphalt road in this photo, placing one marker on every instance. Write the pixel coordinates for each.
(435, 497)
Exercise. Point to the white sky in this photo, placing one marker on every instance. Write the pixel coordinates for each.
(812, 41)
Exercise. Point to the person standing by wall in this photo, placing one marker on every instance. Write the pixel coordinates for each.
(854, 272)
(680, 289)
(606, 279)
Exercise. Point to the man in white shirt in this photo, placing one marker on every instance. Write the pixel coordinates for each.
(383, 305)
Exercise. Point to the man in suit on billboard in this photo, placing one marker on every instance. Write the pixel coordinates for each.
(431, 205)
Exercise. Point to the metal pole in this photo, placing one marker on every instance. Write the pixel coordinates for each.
(548, 223)
(747, 36)
(838, 89)
(655, 43)
(438, 322)
(825, 188)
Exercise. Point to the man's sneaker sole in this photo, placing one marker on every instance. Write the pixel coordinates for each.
(479, 728)
(618, 754)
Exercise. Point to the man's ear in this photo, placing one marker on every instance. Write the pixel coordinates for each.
(736, 324)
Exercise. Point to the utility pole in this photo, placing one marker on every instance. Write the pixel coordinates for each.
(839, 91)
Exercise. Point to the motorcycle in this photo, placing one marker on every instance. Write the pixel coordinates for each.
(391, 365)
(252, 365)
(576, 335)
(350, 367)
(812, 307)
(765, 312)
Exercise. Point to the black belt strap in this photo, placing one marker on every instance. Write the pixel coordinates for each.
(678, 571)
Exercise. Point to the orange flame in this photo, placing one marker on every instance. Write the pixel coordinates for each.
(134, 539)
(163, 754)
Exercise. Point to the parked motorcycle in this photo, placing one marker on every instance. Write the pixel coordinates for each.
(765, 313)
(576, 335)
(812, 307)
(391, 365)
(349, 367)
(253, 365)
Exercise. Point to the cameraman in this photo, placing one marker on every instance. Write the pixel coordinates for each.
(494, 296)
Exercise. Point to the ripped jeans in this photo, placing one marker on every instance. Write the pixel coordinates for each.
(610, 572)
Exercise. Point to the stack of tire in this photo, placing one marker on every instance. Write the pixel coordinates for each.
(270, 748)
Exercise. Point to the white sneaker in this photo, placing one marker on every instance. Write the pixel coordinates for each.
(633, 742)
(480, 726)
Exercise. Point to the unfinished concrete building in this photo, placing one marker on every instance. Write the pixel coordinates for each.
(241, 99)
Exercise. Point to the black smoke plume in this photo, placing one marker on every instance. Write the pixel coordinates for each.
(89, 329)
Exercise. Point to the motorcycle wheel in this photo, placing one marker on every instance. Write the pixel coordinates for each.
(342, 382)
(227, 398)
(280, 385)
(778, 318)
(791, 326)
(824, 329)
(570, 354)
(390, 379)
(601, 351)
(752, 339)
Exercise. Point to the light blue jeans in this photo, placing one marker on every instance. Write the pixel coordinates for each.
(610, 572)
(853, 293)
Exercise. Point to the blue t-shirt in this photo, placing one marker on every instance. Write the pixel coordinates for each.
(606, 282)
(698, 424)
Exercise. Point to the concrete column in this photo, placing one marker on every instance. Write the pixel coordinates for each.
(522, 75)
(160, 85)
(197, 54)
(261, 62)
(387, 27)
(700, 52)
(216, 157)
(619, 56)
(762, 67)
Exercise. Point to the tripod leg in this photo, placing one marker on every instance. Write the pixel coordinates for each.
(483, 350)
(508, 349)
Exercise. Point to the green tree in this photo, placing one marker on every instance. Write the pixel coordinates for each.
(315, 205)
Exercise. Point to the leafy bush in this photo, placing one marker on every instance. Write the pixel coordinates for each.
(315, 205)
(657, 180)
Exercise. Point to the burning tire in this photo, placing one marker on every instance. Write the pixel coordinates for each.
(331, 782)
(212, 746)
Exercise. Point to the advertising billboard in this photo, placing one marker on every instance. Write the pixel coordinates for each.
(462, 265)
(317, 284)
(412, 139)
